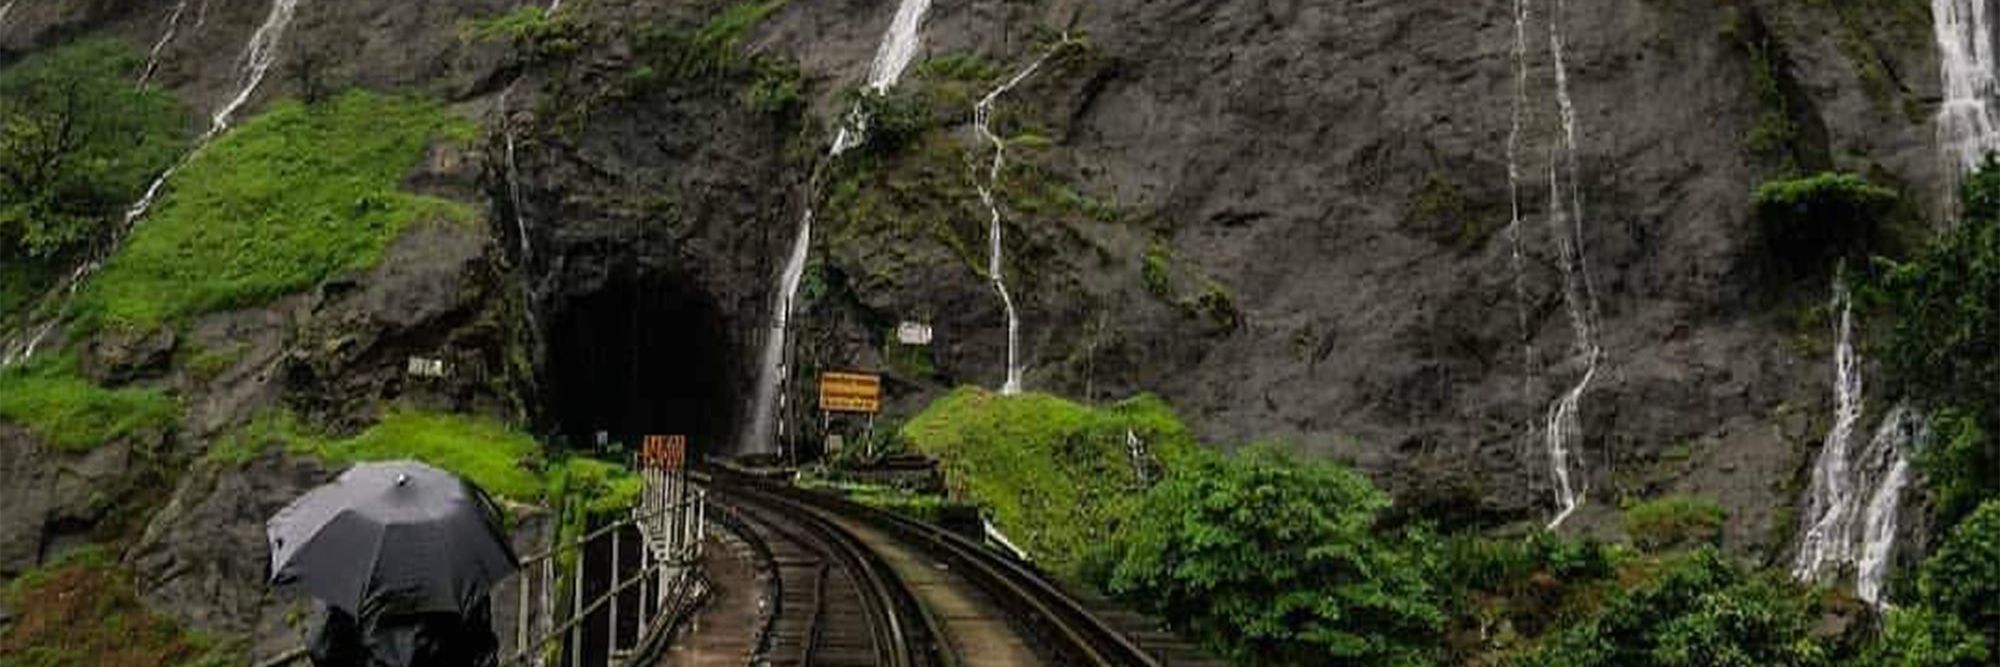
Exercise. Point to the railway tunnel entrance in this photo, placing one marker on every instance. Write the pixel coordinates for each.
(646, 353)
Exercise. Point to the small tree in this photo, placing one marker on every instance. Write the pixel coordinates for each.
(1277, 563)
(1810, 223)
(78, 143)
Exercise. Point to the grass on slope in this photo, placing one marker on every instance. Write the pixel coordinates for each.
(1056, 475)
(88, 588)
(293, 197)
(504, 461)
(69, 412)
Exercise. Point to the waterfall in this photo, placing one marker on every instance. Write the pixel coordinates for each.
(258, 56)
(1518, 256)
(5, 9)
(892, 58)
(514, 175)
(166, 37)
(1887, 464)
(1830, 500)
(1564, 429)
(996, 271)
(1966, 128)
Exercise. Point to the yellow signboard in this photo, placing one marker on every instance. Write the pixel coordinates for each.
(850, 392)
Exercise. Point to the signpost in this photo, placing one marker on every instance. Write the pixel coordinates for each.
(913, 333)
(859, 393)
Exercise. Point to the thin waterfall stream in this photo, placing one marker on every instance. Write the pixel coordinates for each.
(996, 255)
(166, 37)
(1830, 499)
(1563, 430)
(765, 426)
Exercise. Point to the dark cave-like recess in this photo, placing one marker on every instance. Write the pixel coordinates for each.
(642, 355)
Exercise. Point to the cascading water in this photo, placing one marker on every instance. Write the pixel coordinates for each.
(258, 56)
(892, 58)
(5, 9)
(166, 37)
(1966, 128)
(1886, 463)
(1517, 251)
(1564, 428)
(996, 270)
(1830, 500)
(514, 175)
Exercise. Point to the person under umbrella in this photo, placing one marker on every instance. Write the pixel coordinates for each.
(401, 557)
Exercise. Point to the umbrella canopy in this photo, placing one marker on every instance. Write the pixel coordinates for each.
(392, 538)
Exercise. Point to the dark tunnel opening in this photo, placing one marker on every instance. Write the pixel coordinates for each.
(643, 355)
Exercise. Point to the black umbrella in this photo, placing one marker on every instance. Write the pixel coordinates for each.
(392, 538)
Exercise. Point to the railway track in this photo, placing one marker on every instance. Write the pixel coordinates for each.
(835, 604)
(1066, 630)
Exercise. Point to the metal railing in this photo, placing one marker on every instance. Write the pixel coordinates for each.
(670, 521)
(552, 613)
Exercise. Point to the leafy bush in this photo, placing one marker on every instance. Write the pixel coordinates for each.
(1675, 521)
(1697, 611)
(83, 610)
(1963, 578)
(1921, 637)
(78, 144)
(533, 30)
(1942, 347)
(1502, 594)
(1809, 222)
(1057, 476)
(1276, 562)
(74, 415)
(289, 199)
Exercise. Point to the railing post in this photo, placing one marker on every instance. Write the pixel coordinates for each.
(575, 634)
(645, 563)
(611, 642)
(548, 605)
(522, 627)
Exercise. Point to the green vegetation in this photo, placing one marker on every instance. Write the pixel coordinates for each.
(711, 55)
(1942, 345)
(70, 413)
(294, 197)
(1057, 476)
(78, 144)
(534, 33)
(1811, 223)
(1195, 294)
(83, 610)
(916, 505)
(1277, 563)
(1963, 578)
(1675, 522)
(1696, 610)
(497, 458)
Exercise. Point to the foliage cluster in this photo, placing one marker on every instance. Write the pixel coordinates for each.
(88, 585)
(1810, 223)
(1677, 521)
(534, 31)
(78, 144)
(1058, 477)
(291, 198)
(505, 462)
(69, 412)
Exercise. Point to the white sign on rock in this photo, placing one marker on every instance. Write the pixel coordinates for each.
(913, 333)
(426, 368)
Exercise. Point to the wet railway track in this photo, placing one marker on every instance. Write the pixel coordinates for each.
(1063, 630)
(834, 603)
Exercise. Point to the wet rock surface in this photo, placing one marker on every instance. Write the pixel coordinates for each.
(1331, 177)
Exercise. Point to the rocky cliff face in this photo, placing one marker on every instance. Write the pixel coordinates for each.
(1294, 220)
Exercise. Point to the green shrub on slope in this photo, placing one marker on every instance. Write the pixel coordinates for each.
(293, 197)
(74, 415)
(1057, 476)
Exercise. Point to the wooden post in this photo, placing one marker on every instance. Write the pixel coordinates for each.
(611, 642)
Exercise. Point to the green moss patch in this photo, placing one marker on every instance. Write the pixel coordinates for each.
(74, 415)
(1057, 476)
(288, 200)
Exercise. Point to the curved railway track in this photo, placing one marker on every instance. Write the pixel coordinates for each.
(835, 603)
(1067, 631)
